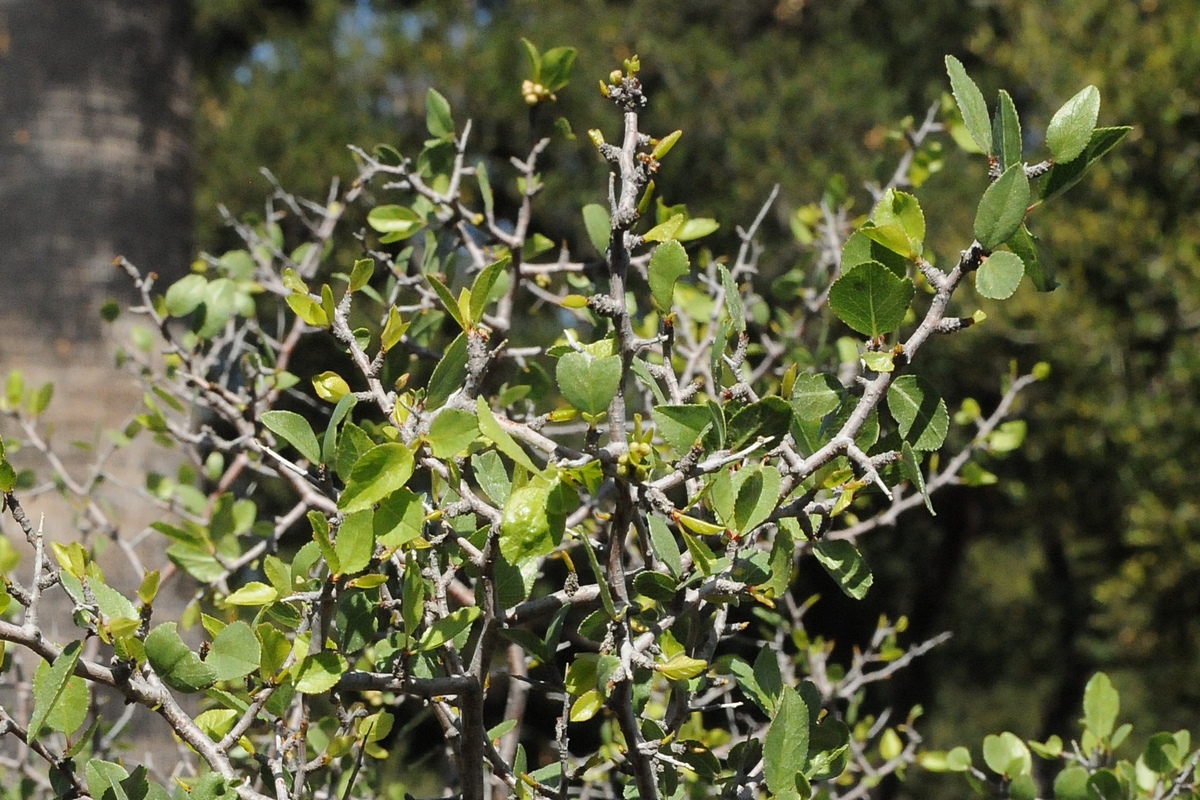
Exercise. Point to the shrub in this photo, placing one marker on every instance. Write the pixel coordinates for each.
(551, 502)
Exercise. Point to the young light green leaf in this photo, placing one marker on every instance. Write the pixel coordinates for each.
(448, 627)
(320, 672)
(970, 103)
(330, 386)
(186, 295)
(437, 115)
(355, 542)
(1101, 704)
(452, 431)
(680, 667)
(360, 274)
(1006, 132)
(665, 231)
(295, 430)
(447, 300)
(329, 443)
(174, 661)
(378, 472)
(534, 520)
(785, 748)
(871, 299)
(845, 565)
(254, 593)
(999, 275)
(395, 222)
(599, 228)
(901, 210)
(697, 228)
(52, 688)
(556, 67)
(681, 426)
(668, 263)
(1002, 208)
(587, 383)
(235, 652)
(919, 411)
(1071, 129)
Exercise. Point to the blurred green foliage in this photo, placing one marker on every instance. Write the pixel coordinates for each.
(1087, 556)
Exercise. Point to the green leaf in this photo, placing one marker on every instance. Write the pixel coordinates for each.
(781, 559)
(235, 652)
(395, 222)
(399, 518)
(668, 263)
(378, 472)
(598, 225)
(785, 748)
(355, 543)
(437, 115)
(697, 228)
(319, 672)
(174, 661)
(681, 426)
(1040, 271)
(57, 695)
(556, 67)
(452, 431)
(1064, 175)
(1101, 704)
(448, 375)
(535, 60)
(845, 565)
(910, 466)
(1006, 132)
(490, 428)
(999, 275)
(901, 210)
(587, 383)
(360, 274)
(447, 300)
(665, 231)
(295, 430)
(534, 520)
(329, 444)
(733, 300)
(664, 546)
(1006, 755)
(919, 412)
(393, 330)
(814, 396)
(254, 593)
(481, 289)
(871, 299)
(308, 310)
(448, 627)
(186, 295)
(757, 495)
(1002, 208)
(1072, 783)
(861, 248)
(1071, 129)
(767, 419)
(970, 103)
(330, 386)
(680, 667)
(1163, 754)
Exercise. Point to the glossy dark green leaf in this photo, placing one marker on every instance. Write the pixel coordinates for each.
(1002, 208)
(999, 275)
(845, 565)
(668, 263)
(757, 497)
(1038, 268)
(534, 519)
(814, 396)
(1071, 128)
(174, 661)
(970, 103)
(871, 299)
(861, 248)
(785, 748)
(1006, 132)
(380, 471)
(588, 383)
(919, 411)
(295, 430)
(448, 375)
(1064, 175)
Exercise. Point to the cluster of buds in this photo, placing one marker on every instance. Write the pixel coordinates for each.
(535, 93)
(633, 461)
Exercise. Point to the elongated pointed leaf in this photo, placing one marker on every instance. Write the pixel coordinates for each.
(489, 427)
(437, 115)
(785, 748)
(871, 299)
(1002, 208)
(970, 103)
(845, 565)
(1071, 129)
(448, 375)
(599, 228)
(481, 289)
(1006, 132)
(1064, 175)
